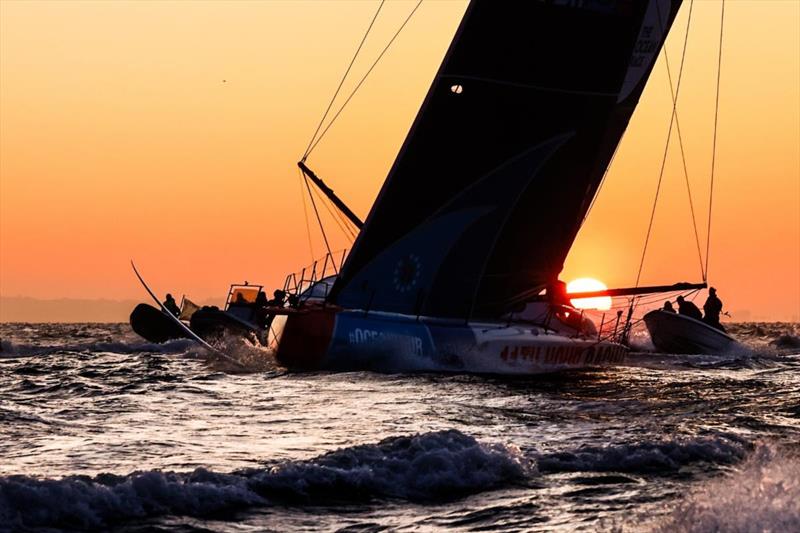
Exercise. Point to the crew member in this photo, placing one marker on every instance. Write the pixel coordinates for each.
(279, 298)
(171, 306)
(712, 309)
(668, 307)
(262, 316)
(687, 308)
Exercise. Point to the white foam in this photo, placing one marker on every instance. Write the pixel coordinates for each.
(762, 494)
(81, 502)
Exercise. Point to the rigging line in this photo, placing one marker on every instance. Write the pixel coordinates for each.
(680, 141)
(344, 223)
(337, 220)
(714, 142)
(358, 86)
(305, 214)
(319, 220)
(344, 77)
(664, 158)
(348, 225)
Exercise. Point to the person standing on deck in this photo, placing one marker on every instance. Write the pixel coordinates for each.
(689, 309)
(712, 309)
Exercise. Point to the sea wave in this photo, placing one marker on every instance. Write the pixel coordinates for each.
(437, 465)
(646, 457)
(12, 350)
(762, 494)
(430, 466)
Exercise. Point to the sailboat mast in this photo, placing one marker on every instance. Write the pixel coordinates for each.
(328, 192)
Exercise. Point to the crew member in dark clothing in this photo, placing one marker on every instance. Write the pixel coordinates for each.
(687, 308)
(262, 317)
(171, 306)
(279, 298)
(712, 309)
(668, 307)
(293, 300)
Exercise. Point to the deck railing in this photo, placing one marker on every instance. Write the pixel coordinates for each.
(331, 264)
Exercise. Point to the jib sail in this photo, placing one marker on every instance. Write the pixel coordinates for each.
(505, 156)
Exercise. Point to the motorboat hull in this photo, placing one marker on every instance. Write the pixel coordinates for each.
(355, 340)
(154, 325)
(211, 323)
(680, 334)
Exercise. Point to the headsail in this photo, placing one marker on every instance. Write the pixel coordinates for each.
(505, 156)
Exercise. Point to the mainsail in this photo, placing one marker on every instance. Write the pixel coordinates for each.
(505, 156)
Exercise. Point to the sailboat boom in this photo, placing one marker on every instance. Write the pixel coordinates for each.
(634, 291)
(328, 192)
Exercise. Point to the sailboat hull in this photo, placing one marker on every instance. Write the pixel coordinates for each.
(675, 333)
(354, 340)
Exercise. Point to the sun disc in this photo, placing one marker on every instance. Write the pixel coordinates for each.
(586, 285)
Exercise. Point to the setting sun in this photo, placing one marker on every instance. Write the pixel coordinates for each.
(586, 285)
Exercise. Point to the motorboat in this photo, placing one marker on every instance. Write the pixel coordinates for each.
(680, 334)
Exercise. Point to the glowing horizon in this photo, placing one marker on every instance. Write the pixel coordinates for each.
(119, 140)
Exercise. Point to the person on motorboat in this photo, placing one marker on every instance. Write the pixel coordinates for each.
(712, 309)
(687, 308)
(293, 300)
(668, 307)
(279, 298)
(172, 306)
(262, 315)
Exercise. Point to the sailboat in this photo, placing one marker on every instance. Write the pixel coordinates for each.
(456, 266)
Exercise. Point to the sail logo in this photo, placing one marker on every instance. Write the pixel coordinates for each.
(646, 47)
(406, 273)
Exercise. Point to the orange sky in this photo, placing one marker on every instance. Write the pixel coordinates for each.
(119, 139)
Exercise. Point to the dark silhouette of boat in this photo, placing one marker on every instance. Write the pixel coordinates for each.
(239, 317)
(680, 334)
(154, 325)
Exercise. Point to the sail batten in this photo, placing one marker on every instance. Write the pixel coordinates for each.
(505, 156)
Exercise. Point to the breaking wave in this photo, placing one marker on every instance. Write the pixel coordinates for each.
(646, 457)
(762, 494)
(435, 466)
(431, 466)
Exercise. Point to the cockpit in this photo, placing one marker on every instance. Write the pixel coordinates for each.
(241, 301)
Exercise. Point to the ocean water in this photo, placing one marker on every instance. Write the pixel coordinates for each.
(101, 430)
